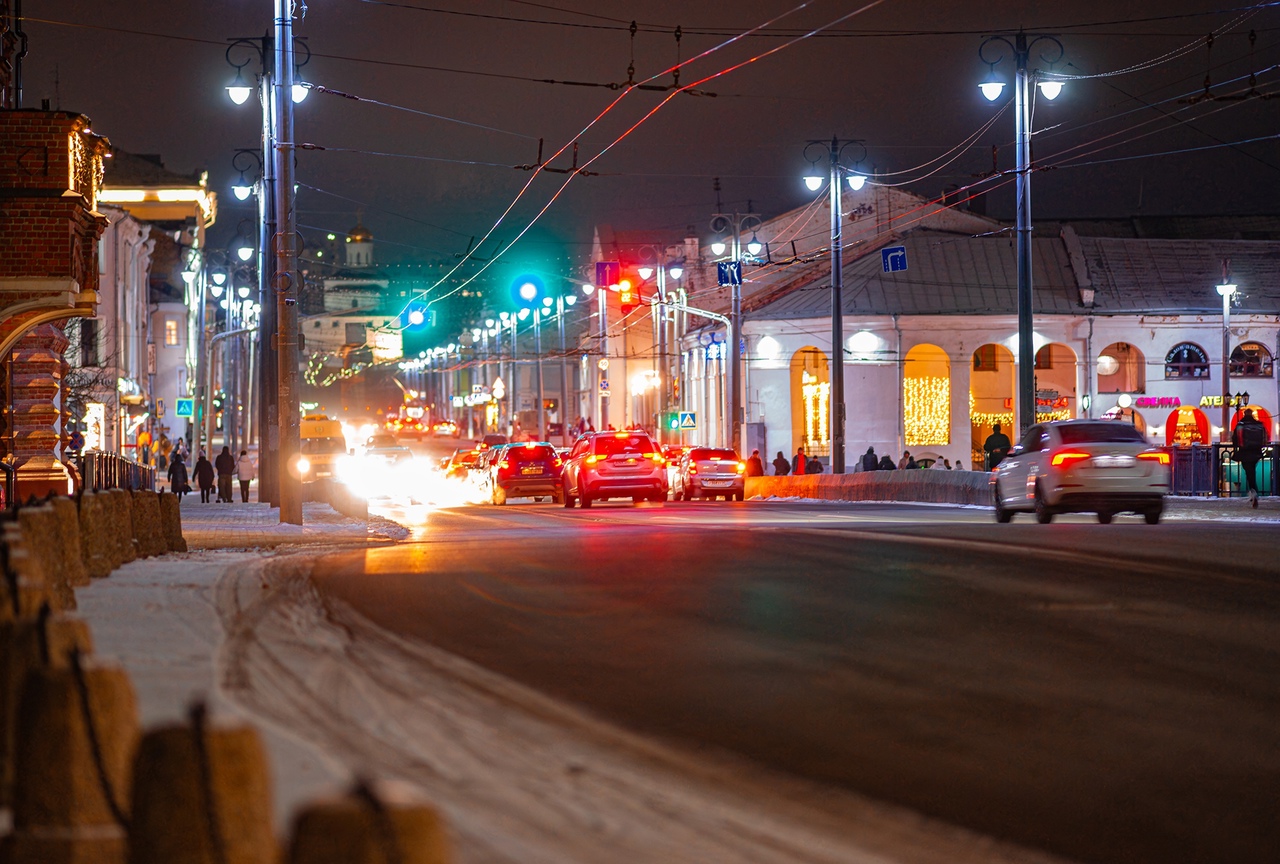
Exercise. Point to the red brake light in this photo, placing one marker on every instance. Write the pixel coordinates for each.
(592, 459)
(1155, 456)
(693, 469)
(504, 465)
(1067, 458)
(559, 462)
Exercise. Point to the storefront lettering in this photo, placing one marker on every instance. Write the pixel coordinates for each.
(1159, 402)
(1216, 401)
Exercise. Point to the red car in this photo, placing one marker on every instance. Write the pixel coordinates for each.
(604, 465)
(530, 469)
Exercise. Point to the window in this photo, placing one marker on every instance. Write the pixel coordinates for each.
(89, 355)
(1100, 433)
(355, 334)
(1251, 360)
(1186, 360)
(171, 331)
(984, 359)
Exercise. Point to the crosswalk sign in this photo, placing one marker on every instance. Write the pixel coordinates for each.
(184, 407)
(688, 420)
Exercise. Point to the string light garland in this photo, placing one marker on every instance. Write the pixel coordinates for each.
(926, 407)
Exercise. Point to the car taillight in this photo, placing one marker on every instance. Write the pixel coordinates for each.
(693, 469)
(1067, 458)
(742, 467)
(559, 462)
(1158, 456)
(656, 457)
(592, 459)
(504, 465)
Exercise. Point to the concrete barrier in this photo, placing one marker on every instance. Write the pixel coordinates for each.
(97, 543)
(121, 509)
(39, 535)
(364, 828)
(148, 530)
(171, 520)
(70, 559)
(201, 794)
(925, 485)
(72, 775)
(28, 644)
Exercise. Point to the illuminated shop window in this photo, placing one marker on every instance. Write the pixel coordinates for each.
(1251, 360)
(1186, 360)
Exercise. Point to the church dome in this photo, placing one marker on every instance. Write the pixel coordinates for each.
(359, 234)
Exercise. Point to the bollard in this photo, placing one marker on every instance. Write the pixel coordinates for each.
(40, 538)
(122, 528)
(97, 545)
(77, 730)
(370, 825)
(201, 795)
(29, 567)
(70, 559)
(28, 644)
(171, 517)
(148, 532)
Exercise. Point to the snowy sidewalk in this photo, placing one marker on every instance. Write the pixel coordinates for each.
(257, 526)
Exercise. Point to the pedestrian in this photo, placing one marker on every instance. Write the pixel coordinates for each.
(996, 447)
(960, 465)
(226, 465)
(946, 463)
(813, 466)
(755, 467)
(204, 477)
(245, 471)
(906, 457)
(1250, 436)
(937, 464)
(177, 475)
(781, 467)
(798, 462)
(911, 462)
(869, 460)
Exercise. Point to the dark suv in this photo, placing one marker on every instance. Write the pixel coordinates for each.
(530, 469)
(604, 465)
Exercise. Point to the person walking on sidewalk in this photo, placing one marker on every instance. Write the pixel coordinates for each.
(177, 475)
(1250, 437)
(204, 477)
(226, 465)
(781, 467)
(245, 471)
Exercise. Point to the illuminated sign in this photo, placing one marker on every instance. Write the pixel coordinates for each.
(95, 421)
(1159, 402)
(1216, 401)
(387, 345)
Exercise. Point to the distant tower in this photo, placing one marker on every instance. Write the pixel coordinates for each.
(359, 246)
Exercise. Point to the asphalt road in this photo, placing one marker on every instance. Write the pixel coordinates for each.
(1107, 693)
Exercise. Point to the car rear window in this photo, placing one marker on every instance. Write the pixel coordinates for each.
(1100, 433)
(609, 445)
(521, 453)
(707, 453)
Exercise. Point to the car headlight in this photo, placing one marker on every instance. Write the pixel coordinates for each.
(304, 464)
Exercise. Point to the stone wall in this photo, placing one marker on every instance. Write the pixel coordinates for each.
(940, 487)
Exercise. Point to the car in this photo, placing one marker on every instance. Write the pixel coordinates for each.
(1073, 466)
(530, 469)
(604, 465)
(461, 463)
(709, 472)
(492, 439)
(385, 448)
(445, 428)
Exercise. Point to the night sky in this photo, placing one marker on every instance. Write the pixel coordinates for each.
(902, 75)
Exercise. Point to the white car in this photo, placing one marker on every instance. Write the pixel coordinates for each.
(1072, 466)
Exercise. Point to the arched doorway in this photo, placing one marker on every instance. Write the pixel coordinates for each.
(1122, 368)
(926, 397)
(1186, 425)
(1055, 382)
(811, 402)
(991, 389)
(1262, 415)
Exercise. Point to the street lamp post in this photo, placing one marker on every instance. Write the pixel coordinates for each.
(835, 150)
(537, 351)
(662, 269)
(1226, 290)
(991, 89)
(736, 223)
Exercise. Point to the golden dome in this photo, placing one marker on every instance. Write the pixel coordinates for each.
(359, 234)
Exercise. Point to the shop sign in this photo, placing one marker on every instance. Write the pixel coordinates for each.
(1160, 402)
(1216, 401)
(95, 420)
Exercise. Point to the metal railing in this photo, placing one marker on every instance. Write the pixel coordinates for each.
(1214, 470)
(99, 470)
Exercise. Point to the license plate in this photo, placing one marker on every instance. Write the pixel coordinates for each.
(1114, 461)
(631, 461)
(532, 469)
(716, 482)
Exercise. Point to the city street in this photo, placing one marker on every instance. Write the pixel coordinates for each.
(1103, 693)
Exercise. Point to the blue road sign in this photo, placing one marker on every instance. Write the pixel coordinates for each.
(894, 258)
(688, 420)
(184, 407)
(729, 272)
(608, 273)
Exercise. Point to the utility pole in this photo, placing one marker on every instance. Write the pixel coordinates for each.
(287, 275)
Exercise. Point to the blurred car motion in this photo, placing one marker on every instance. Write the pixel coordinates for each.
(706, 472)
(386, 448)
(604, 465)
(461, 463)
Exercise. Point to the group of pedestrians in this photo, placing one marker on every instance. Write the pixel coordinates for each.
(222, 469)
(798, 464)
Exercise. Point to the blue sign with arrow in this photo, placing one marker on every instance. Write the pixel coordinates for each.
(894, 258)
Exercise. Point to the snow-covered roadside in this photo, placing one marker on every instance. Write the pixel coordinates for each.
(522, 778)
(1177, 508)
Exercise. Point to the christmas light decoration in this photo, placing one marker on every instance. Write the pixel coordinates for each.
(816, 396)
(926, 405)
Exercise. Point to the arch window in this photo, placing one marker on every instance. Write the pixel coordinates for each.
(1186, 360)
(1122, 369)
(1251, 360)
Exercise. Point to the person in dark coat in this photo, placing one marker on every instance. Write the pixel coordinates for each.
(178, 475)
(1250, 436)
(996, 447)
(886, 464)
(781, 467)
(869, 460)
(226, 465)
(755, 467)
(813, 466)
(204, 477)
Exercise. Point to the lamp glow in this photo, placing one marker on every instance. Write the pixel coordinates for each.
(569, 300)
(717, 247)
(188, 276)
(645, 272)
(245, 253)
(675, 271)
(219, 277)
(416, 317)
(528, 291)
(991, 89)
(300, 92)
(754, 245)
(588, 288)
(238, 90)
(523, 313)
(1227, 290)
(242, 191)
(243, 291)
(1050, 89)
(813, 182)
(856, 181)
(216, 290)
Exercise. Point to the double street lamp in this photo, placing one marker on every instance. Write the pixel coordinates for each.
(734, 225)
(1227, 290)
(663, 270)
(992, 88)
(837, 171)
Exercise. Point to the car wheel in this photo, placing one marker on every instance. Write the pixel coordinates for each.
(499, 495)
(737, 496)
(586, 500)
(1152, 517)
(1104, 517)
(568, 500)
(1003, 514)
(1044, 513)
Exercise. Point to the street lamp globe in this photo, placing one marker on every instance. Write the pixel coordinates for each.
(242, 191)
(219, 277)
(216, 289)
(646, 272)
(569, 300)
(675, 271)
(300, 92)
(588, 288)
(488, 322)
(754, 245)
(547, 301)
(245, 252)
(504, 315)
(1049, 89)
(243, 291)
(813, 182)
(1226, 290)
(524, 313)
(416, 317)
(238, 90)
(717, 247)
(856, 181)
(528, 291)
(188, 276)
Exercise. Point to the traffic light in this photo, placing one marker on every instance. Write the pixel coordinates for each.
(628, 296)
(527, 291)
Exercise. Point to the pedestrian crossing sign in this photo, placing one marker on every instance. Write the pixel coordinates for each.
(688, 420)
(184, 407)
